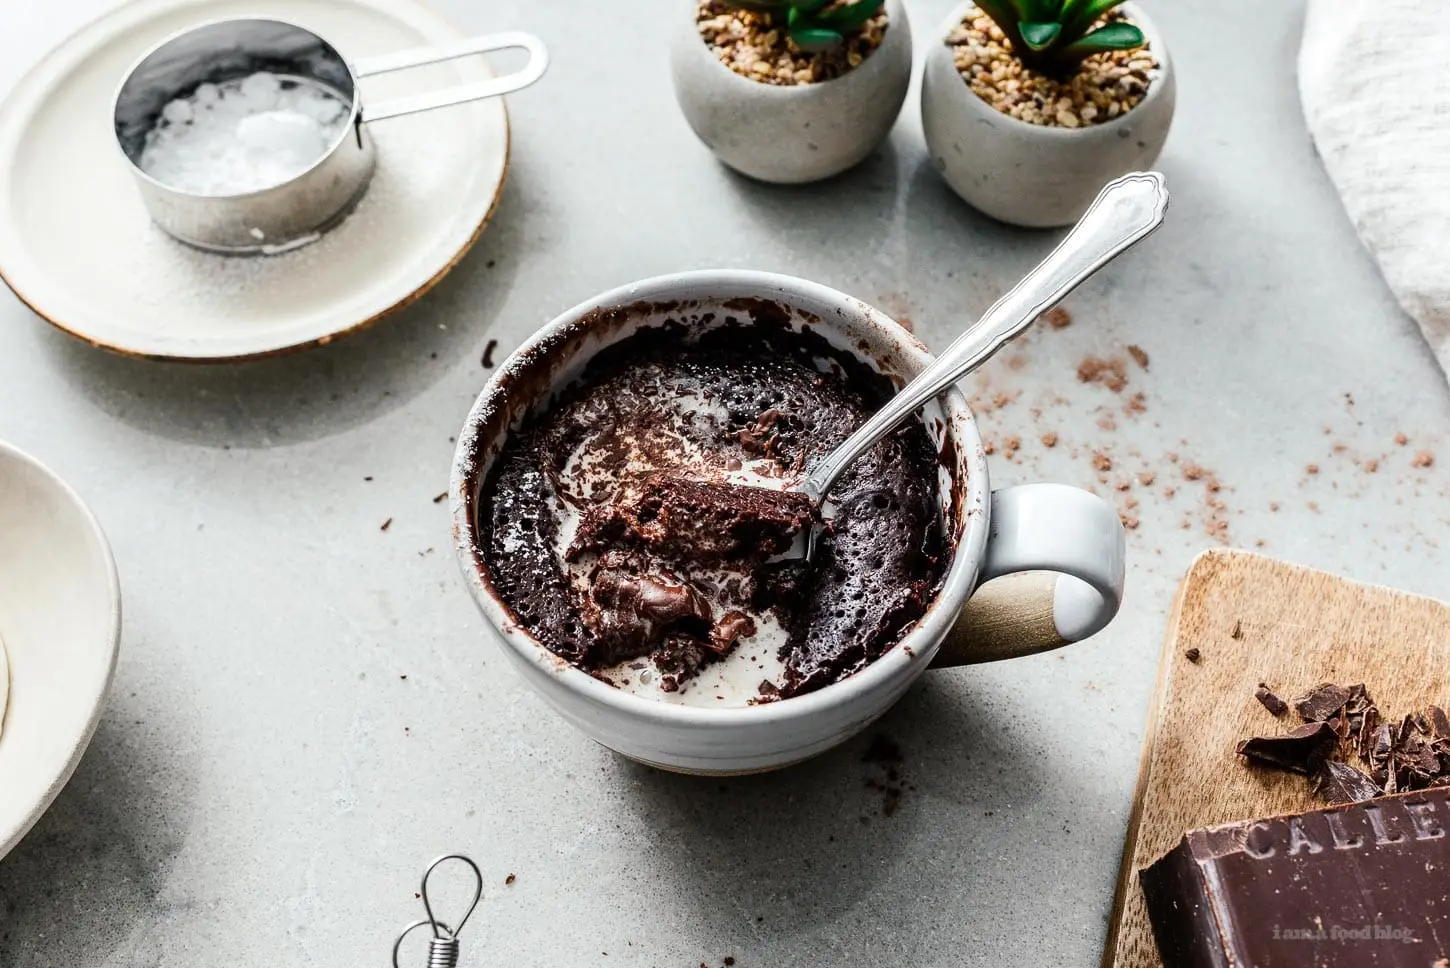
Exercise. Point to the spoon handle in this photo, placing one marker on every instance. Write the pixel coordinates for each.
(1125, 211)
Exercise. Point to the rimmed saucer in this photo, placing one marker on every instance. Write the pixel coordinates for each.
(60, 619)
(77, 246)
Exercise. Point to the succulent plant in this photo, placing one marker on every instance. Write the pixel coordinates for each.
(1053, 36)
(816, 25)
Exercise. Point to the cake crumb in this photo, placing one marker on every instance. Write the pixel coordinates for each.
(1370, 466)
(1401, 439)
(1147, 478)
(1312, 469)
(1101, 461)
(1273, 505)
(386, 525)
(1109, 372)
(1193, 472)
(1010, 446)
(1057, 318)
(1049, 439)
(1423, 459)
(1139, 357)
(510, 879)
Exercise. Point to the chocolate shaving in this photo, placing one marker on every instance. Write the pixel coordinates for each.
(1411, 753)
(1439, 723)
(1270, 701)
(1322, 703)
(1301, 750)
(1341, 783)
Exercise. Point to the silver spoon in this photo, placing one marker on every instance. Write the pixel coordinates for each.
(1125, 212)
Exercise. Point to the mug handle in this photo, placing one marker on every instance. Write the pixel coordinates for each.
(418, 56)
(1053, 575)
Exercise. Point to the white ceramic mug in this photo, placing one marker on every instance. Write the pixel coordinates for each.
(1015, 535)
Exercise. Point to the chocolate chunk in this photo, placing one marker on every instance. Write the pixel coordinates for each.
(1322, 703)
(1341, 783)
(1270, 701)
(1352, 886)
(1301, 750)
(732, 626)
(1193, 655)
(1439, 723)
(632, 613)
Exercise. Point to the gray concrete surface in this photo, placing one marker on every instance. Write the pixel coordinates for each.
(265, 785)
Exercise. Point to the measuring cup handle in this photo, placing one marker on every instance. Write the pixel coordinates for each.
(419, 56)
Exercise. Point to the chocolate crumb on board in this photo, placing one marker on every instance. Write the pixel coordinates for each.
(1139, 357)
(510, 879)
(1271, 702)
(386, 525)
(1238, 630)
(1193, 655)
(488, 354)
(1303, 749)
(1057, 318)
(443, 496)
(729, 961)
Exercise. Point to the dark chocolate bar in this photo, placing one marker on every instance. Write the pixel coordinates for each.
(1364, 885)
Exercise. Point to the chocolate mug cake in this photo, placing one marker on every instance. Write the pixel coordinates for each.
(641, 528)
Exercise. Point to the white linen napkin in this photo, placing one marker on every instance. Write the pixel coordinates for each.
(1374, 81)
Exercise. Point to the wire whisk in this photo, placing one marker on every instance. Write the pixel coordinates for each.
(443, 946)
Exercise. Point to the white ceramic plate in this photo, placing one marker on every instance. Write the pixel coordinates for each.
(60, 619)
(77, 246)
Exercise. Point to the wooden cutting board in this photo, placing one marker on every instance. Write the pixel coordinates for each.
(1255, 619)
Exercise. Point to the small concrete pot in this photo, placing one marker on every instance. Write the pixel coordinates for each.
(1027, 174)
(791, 135)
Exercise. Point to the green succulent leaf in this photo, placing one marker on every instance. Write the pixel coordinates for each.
(1039, 36)
(1035, 11)
(1119, 36)
(846, 19)
(815, 39)
(1078, 16)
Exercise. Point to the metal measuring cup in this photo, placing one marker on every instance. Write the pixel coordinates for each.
(295, 211)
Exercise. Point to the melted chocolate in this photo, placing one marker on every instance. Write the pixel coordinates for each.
(665, 566)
